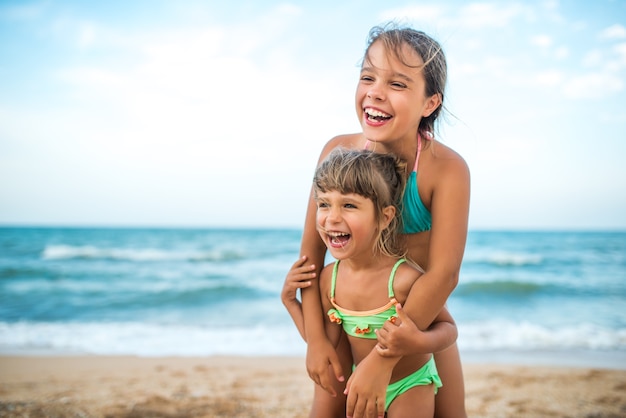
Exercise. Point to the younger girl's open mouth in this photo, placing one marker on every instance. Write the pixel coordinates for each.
(338, 239)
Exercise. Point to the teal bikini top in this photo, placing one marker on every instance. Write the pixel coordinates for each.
(361, 324)
(415, 217)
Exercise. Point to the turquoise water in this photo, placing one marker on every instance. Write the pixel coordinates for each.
(217, 291)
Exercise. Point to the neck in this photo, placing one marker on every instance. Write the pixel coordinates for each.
(369, 262)
(403, 147)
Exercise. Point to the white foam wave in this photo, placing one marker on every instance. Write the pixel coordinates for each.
(196, 340)
(504, 258)
(496, 335)
(66, 252)
(147, 339)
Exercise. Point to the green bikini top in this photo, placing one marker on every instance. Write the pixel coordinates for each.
(361, 324)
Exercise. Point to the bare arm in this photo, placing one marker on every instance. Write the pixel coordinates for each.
(300, 276)
(440, 335)
(450, 210)
(320, 351)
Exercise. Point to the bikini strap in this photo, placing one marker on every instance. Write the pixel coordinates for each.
(419, 151)
(334, 279)
(392, 275)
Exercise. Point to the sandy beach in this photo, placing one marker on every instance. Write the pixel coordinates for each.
(98, 386)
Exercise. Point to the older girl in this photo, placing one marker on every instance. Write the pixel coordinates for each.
(398, 99)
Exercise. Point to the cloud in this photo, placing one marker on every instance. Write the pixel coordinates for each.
(616, 31)
(23, 12)
(184, 112)
(485, 15)
(477, 15)
(543, 41)
(417, 12)
(619, 62)
(592, 86)
(549, 78)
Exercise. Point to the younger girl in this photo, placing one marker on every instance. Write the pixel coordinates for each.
(358, 194)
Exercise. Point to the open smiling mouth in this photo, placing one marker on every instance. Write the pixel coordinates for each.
(338, 239)
(374, 115)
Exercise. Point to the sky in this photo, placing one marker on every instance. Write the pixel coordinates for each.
(213, 113)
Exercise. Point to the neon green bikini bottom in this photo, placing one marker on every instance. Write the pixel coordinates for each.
(425, 376)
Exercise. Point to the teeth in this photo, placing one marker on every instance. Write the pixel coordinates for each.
(376, 113)
(338, 234)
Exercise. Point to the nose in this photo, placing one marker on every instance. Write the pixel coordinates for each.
(375, 92)
(334, 214)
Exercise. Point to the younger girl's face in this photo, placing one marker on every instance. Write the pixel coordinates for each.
(346, 223)
(390, 96)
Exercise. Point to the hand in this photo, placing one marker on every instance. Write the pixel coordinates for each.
(367, 389)
(399, 337)
(319, 356)
(298, 277)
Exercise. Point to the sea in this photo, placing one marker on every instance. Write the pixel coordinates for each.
(528, 297)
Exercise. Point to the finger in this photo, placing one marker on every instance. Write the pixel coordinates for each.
(350, 400)
(400, 316)
(371, 410)
(380, 407)
(382, 335)
(336, 366)
(314, 377)
(360, 408)
(346, 391)
(307, 271)
(299, 262)
(300, 268)
(325, 383)
(303, 285)
(382, 350)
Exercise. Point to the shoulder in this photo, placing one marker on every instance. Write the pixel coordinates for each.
(345, 141)
(406, 276)
(327, 271)
(446, 165)
(444, 156)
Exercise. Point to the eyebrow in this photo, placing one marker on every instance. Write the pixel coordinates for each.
(396, 74)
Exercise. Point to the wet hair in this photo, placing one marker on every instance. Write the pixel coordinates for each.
(375, 176)
(434, 67)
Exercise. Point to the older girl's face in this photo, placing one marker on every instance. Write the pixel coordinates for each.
(390, 96)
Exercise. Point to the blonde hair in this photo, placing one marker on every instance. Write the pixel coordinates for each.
(375, 176)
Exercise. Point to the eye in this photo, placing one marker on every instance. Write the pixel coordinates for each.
(398, 85)
(350, 206)
(321, 205)
(367, 78)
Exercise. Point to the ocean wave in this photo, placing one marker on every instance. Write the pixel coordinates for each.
(504, 259)
(496, 335)
(146, 339)
(88, 252)
(499, 287)
(523, 288)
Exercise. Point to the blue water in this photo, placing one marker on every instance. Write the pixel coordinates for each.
(217, 291)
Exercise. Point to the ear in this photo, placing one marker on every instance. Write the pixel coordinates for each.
(388, 214)
(432, 103)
